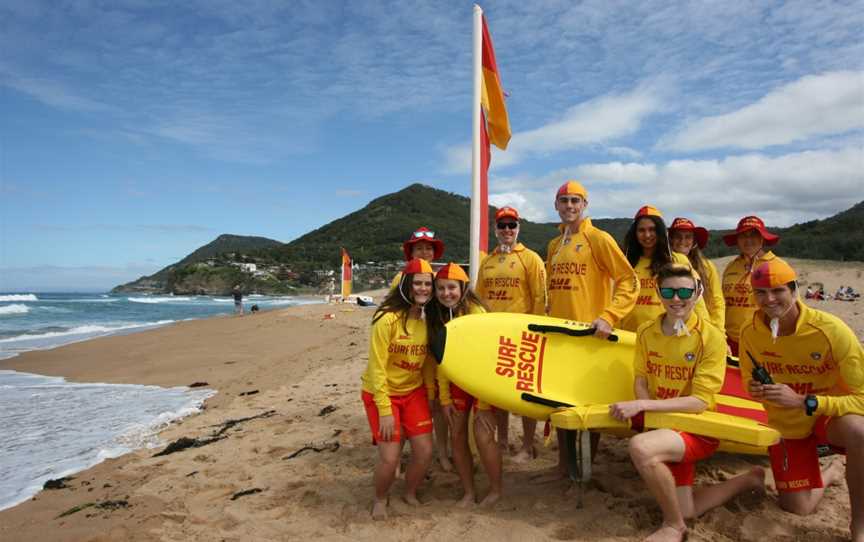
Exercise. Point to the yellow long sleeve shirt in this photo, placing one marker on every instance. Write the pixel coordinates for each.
(738, 294)
(588, 276)
(823, 358)
(513, 282)
(679, 366)
(714, 301)
(444, 383)
(648, 305)
(398, 362)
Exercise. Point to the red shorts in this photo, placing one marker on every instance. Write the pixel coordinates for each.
(462, 400)
(795, 462)
(696, 447)
(733, 346)
(410, 414)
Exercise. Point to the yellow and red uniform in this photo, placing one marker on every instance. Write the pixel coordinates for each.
(450, 393)
(648, 305)
(397, 360)
(678, 366)
(738, 293)
(581, 269)
(823, 358)
(714, 301)
(513, 282)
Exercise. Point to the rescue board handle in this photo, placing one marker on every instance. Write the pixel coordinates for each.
(543, 401)
(587, 332)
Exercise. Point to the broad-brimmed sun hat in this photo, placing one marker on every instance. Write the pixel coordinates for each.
(685, 224)
(751, 223)
(423, 234)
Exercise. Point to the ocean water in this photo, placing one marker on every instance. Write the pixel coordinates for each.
(36, 321)
(51, 428)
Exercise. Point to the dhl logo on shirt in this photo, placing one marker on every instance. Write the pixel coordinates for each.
(647, 300)
(522, 359)
(498, 295)
(408, 365)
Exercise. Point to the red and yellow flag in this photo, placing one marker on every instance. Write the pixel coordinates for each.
(346, 274)
(492, 95)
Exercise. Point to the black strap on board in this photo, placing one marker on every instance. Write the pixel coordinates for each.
(587, 332)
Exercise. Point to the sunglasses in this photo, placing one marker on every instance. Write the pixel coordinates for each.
(507, 225)
(575, 200)
(683, 293)
(422, 234)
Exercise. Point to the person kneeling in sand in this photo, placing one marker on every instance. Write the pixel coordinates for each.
(393, 384)
(816, 394)
(453, 298)
(666, 459)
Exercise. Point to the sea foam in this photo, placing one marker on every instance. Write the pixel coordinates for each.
(18, 297)
(13, 309)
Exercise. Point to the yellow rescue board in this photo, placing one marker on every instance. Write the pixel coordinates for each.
(534, 366)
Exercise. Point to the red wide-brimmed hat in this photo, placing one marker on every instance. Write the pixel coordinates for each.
(751, 223)
(423, 234)
(685, 224)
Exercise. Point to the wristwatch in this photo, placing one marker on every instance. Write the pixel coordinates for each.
(810, 404)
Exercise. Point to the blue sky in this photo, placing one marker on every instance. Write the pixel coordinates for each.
(132, 132)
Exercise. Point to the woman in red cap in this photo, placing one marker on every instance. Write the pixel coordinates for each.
(453, 298)
(393, 395)
(646, 246)
(512, 278)
(751, 237)
(688, 239)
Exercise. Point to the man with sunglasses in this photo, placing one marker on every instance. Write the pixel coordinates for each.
(512, 279)
(679, 366)
(813, 393)
(589, 279)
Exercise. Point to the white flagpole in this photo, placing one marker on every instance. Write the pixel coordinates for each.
(474, 248)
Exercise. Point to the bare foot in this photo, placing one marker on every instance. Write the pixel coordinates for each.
(445, 463)
(490, 499)
(411, 499)
(379, 510)
(833, 473)
(668, 533)
(524, 456)
(468, 501)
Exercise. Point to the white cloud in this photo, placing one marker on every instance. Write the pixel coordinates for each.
(596, 121)
(54, 94)
(815, 105)
(784, 190)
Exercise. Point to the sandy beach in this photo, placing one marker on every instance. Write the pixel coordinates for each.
(301, 466)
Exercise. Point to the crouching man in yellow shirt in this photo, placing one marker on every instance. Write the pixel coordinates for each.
(812, 388)
(679, 366)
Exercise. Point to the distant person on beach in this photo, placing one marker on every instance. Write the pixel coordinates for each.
(816, 398)
(588, 278)
(238, 299)
(678, 339)
(689, 239)
(399, 383)
(646, 246)
(751, 238)
(512, 278)
(454, 298)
